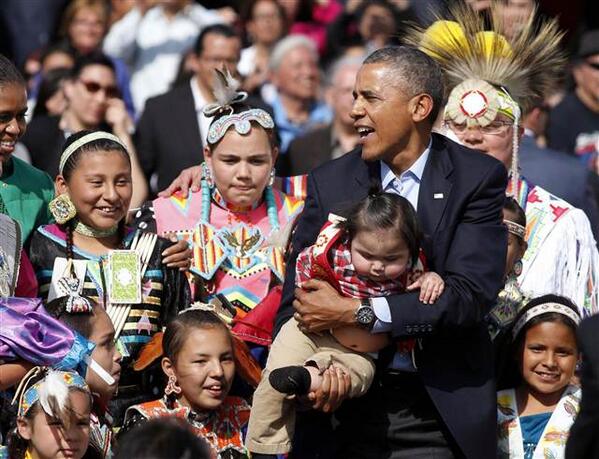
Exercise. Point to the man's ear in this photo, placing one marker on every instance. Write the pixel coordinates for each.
(421, 106)
(24, 428)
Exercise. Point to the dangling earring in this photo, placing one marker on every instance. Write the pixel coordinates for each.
(271, 178)
(171, 386)
(62, 208)
(517, 269)
(207, 175)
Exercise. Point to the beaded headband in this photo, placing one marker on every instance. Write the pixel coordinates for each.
(241, 121)
(515, 229)
(544, 309)
(54, 387)
(85, 140)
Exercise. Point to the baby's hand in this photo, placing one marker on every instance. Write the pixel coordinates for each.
(431, 286)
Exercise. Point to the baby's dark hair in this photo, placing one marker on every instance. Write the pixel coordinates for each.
(81, 322)
(9, 74)
(381, 210)
(509, 346)
(511, 205)
(178, 330)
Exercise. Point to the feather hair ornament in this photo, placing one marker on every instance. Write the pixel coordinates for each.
(51, 390)
(225, 89)
(527, 66)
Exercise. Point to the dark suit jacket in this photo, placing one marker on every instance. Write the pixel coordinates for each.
(309, 151)
(167, 138)
(560, 174)
(583, 442)
(465, 242)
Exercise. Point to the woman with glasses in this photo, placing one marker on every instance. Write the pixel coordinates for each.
(93, 102)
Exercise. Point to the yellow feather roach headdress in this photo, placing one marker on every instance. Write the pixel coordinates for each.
(486, 72)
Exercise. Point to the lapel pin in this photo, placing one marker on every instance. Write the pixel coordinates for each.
(438, 196)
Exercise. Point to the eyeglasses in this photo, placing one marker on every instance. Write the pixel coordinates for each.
(92, 87)
(594, 65)
(495, 128)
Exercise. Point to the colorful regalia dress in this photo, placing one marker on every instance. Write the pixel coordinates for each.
(237, 252)
(164, 291)
(562, 256)
(551, 442)
(221, 429)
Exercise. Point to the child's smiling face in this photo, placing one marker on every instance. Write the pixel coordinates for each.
(548, 358)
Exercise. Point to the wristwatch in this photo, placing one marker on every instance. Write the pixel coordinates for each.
(365, 316)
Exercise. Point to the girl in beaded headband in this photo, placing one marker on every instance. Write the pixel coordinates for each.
(53, 416)
(538, 405)
(134, 276)
(237, 223)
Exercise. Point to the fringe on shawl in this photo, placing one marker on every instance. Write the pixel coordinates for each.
(567, 264)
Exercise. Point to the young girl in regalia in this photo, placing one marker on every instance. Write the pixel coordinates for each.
(89, 251)
(537, 410)
(237, 222)
(199, 363)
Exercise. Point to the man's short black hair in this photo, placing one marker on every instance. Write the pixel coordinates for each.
(217, 29)
(414, 71)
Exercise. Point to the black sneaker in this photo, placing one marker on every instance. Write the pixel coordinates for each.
(292, 380)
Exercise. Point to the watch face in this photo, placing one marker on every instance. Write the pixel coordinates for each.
(365, 315)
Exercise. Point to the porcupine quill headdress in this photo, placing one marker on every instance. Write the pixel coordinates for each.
(489, 74)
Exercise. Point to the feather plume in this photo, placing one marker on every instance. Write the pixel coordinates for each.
(281, 238)
(225, 87)
(528, 65)
(54, 396)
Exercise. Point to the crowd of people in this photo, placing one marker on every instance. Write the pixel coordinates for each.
(304, 229)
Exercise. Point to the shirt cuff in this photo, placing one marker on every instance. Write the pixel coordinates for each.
(382, 312)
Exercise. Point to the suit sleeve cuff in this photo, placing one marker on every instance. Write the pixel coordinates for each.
(383, 315)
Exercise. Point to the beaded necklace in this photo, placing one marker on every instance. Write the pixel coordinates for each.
(89, 231)
(211, 193)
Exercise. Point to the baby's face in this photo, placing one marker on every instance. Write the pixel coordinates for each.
(379, 254)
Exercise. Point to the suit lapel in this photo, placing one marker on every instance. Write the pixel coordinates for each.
(435, 188)
(188, 128)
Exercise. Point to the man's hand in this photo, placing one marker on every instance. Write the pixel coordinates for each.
(177, 255)
(188, 178)
(334, 389)
(320, 307)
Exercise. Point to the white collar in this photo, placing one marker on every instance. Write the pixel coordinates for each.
(416, 169)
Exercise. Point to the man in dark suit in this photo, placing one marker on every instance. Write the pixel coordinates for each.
(583, 442)
(172, 129)
(442, 402)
